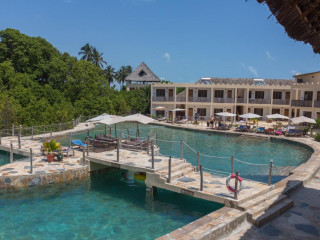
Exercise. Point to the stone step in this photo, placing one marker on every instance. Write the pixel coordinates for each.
(182, 173)
(173, 164)
(263, 206)
(254, 202)
(271, 213)
(177, 168)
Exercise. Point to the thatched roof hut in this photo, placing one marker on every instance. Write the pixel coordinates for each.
(300, 18)
(142, 74)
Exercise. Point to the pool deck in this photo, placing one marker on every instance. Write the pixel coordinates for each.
(185, 179)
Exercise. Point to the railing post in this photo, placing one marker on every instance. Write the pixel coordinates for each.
(31, 166)
(11, 152)
(201, 178)
(156, 139)
(232, 162)
(51, 133)
(110, 131)
(120, 138)
(70, 140)
(12, 129)
(32, 132)
(83, 156)
(270, 172)
(59, 127)
(118, 150)
(87, 146)
(152, 154)
(169, 171)
(236, 186)
(198, 161)
(19, 141)
(105, 130)
(20, 130)
(181, 149)
(72, 123)
(128, 132)
(148, 145)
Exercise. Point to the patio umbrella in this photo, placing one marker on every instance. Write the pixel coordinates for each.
(277, 116)
(302, 119)
(111, 119)
(160, 108)
(226, 114)
(250, 115)
(176, 110)
(98, 118)
(138, 118)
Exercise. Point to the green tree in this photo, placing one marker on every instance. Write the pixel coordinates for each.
(109, 73)
(86, 51)
(97, 58)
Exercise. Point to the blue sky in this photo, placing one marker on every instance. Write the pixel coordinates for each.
(180, 40)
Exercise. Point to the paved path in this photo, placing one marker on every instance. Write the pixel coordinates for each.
(302, 222)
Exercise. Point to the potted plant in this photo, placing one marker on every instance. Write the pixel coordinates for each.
(50, 147)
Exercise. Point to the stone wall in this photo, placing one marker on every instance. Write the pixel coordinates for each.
(26, 181)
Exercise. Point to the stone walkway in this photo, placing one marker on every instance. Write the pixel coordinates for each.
(300, 222)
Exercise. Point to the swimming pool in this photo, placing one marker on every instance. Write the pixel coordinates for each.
(5, 157)
(102, 207)
(217, 149)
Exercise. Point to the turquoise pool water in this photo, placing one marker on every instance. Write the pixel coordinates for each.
(5, 157)
(222, 147)
(102, 207)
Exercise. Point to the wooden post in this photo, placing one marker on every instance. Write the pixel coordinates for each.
(152, 154)
(59, 127)
(198, 161)
(11, 152)
(120, 139)
(118, 150)
(181, 149)
(201, 178)
(157, 139)
(70, 140)
(32, 131)
(128, 132)
(31, 167)
(105, 130)
(169, 171)
(51, 133)
(148, 145)
(12, 129)
(83, 156)
(19, 141)
(110, 131)
(115, 130)
(232, 166)
(20, 130)
(87, 146)
(236, 186)
(270, 172)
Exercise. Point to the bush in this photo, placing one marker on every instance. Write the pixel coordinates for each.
(317, 137)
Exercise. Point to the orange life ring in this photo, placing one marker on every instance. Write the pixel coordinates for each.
(231, 189)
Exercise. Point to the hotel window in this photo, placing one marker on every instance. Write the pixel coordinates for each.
(218, 93)
(202, 93)
(277, 95)
(307, 114)
(202, 112)
(160, 92)
(259, 94)
(308, 96)
(275, 111)
(258, 111)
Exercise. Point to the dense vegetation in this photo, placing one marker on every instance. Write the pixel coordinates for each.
(39, 84)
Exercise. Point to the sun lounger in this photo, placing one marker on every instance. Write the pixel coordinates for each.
(182, 121)
(260, 130)
(161, 119)
(270, 131)
(242, 128)
(78, 143)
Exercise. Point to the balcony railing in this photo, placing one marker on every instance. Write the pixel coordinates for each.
(162, 99)
(281, 101)
(223, 100)
(316, 103)
(301, 103)
(199, 99)
(241, 100)
(260, 101)
(181, 99)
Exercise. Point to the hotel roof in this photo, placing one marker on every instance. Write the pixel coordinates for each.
(142, 74)
(247, 81)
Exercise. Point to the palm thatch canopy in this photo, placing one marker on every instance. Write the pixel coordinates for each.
(300, 18)
(142, 74)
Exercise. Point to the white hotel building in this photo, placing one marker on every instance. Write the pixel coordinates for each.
(290, 97)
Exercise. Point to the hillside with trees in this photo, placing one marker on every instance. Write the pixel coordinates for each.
(41, 85)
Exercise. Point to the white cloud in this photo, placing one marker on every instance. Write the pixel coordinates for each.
(253, 71)
(269, 56)
(295, 72)
(167, 56)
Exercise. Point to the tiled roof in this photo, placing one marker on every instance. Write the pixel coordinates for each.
(246, 81)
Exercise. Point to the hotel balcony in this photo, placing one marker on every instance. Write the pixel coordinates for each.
(316, 103)
(301, 103)
(198, 99)
(162, 99)
(241, 100)
(259, 101)
(281, 101)
(223, 100)
(180, 99)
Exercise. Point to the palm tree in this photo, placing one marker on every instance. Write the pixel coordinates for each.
(86, 52)
(97, 58)
(121, 75)
(109, 72)
(129, 70)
